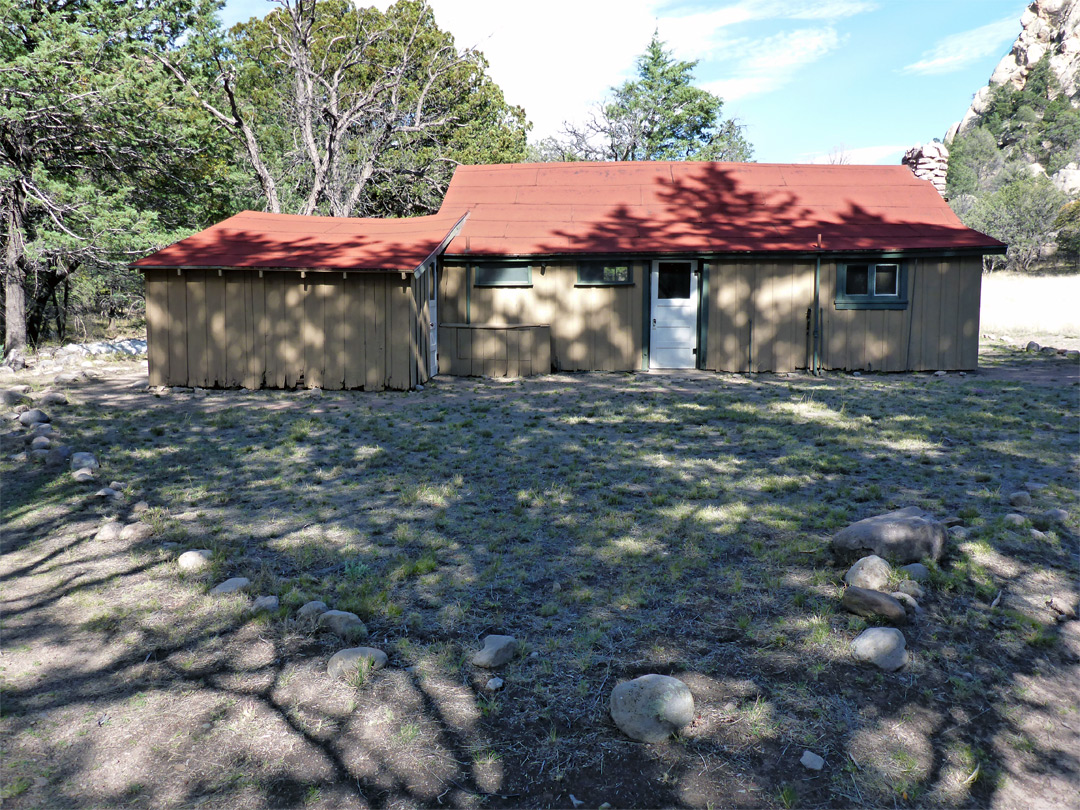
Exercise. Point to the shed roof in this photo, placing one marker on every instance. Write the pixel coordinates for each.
(679, 207)
(257, 239)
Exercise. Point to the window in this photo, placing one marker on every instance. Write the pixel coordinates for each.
(869, 285)
(502, 275)
(673, 280)
(599, 274)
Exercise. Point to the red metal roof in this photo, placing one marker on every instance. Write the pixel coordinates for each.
(567, 208)
(255, 239)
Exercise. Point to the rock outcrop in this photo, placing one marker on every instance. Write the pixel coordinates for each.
(929, 162)
(1047, 27)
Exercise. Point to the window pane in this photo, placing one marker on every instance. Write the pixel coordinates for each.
(600, 273)
(886, 279)
(503, 275)
(673, 281)
(858, 279)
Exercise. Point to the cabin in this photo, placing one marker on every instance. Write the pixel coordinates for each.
(528, 268)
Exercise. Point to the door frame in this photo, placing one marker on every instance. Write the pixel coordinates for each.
(700, 289)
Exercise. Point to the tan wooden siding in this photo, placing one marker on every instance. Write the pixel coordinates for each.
(757, 315)
(592, 328)
(280, 330)
(938, 330)
(494, 351)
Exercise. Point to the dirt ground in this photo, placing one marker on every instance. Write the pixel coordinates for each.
(616, 524)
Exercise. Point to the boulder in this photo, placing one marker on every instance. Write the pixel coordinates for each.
(870, 572)
(80, 460)
(9, 398)
(137, 531)
(904, 536)
(110, 531)
(652, 708)
(874, 604)
(312, 609)
(916, 571)
(264, 604)
(33, 416)
(84, 475)
(496, 652)
(231, 585)
(884, 647)
(345, 663)
(346, 625)
(195, 560)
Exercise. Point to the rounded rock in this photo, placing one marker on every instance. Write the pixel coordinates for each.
(1059, 515)
(312, 609)
(265, 604)
(345, 624)
(884, 647)
(82, 459)
(40, 443)
(497, 651)
(136, 531)
(34, 416)
(916, 571)
(345, 663)
(911, 588)
(870, 572)
(494, 684)
(231, 585)
(1013, 519)
(1020, 498)
(652, 708)
(83, 475)
(874, 604)
(195, 560)
(110, 531)
(53, 398)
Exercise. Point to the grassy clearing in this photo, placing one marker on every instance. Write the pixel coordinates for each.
(1014, 304)
(615, 524)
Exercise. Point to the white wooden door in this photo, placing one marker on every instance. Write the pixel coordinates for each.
(673, 339)
(433, 334)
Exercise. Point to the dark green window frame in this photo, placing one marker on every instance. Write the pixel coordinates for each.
(871, 299)
(593, 273)
(492, 274)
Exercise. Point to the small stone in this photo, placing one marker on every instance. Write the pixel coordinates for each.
(959, 532)
(1013, 519)
(58, 456)
(953, 520)
(266, 604)
(940, 373)
(312, 609)
(652, 708)
(1033, 486)
(1059, 515)
(10, 398)
(84, 475)
(346, 625)
(1020, 498)
(231, 585)
(117, 485)
(856, 374)
(345, 663)
(911, 588)
(874, 604)
(1039, 536)
(811, 761)
(496, 652)
(80, 460)
(195, 560)
(33, 416)
(870, 572)
(908, 601)
(106, 492)
(494, 684)
(109, 531)
(40, 443)
(1048, 350)
(137, 531)
(139, 508)
(53, 398)
(42, 429)
(916, 571)
(884, 647)
(1032, 346)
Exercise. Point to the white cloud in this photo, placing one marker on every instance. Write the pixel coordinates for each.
(861, 156)
(957, 51)
(767, 64)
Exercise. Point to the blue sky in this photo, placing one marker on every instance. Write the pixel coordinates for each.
(806, 77)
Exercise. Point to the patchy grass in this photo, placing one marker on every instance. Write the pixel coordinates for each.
(615, 524)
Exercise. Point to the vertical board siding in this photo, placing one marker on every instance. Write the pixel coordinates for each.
(177, 302)
(195, 284)
(158, 326)
(494, 351)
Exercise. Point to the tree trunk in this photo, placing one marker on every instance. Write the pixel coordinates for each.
(14, 278)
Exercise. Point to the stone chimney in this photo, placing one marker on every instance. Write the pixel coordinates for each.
(929, 162)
